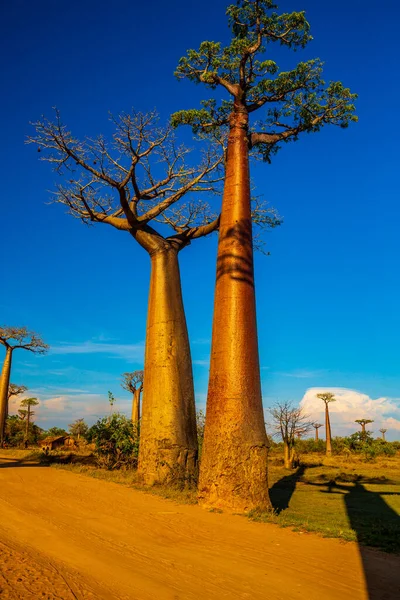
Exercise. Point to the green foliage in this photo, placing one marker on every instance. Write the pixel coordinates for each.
(78, 428)
(15, 432)
(116, 441)
(55, 431)
(294, 101)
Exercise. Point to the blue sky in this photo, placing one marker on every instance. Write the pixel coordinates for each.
(327, 296)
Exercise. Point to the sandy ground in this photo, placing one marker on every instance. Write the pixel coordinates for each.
(68, 536)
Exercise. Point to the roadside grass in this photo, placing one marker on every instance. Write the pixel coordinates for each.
(129, 478)
(339, 497)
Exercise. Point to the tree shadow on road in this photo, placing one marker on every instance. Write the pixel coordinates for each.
(377, 525)
(6, 463)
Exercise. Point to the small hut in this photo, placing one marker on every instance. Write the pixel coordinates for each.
(53, 443)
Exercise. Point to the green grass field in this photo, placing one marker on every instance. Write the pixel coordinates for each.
(345, 498)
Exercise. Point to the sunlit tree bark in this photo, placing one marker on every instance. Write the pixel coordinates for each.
(13, 338)
(234, 460)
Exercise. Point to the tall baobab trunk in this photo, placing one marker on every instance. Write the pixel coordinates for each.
(233, 471)
(136, 405)
(328, 431)
(4, 384)
(168, 438)
(316, 434)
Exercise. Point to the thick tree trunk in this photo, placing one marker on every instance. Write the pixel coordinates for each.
(136, 406)
(328, 431)
(316, 434)
(233, 470)
(168, 438)
(4, 385)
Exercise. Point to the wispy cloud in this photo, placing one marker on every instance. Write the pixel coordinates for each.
(301, 373)
(133, 352)
(202, 362)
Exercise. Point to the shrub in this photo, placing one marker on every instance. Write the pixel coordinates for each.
(116, 441)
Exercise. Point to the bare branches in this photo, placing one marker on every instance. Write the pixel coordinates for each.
(290, 421)
(16, 390)
(132, 381)
(131, 180)
(21, 337)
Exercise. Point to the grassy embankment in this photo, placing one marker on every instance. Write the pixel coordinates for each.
(342, 497)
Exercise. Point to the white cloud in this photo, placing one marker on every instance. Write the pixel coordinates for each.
(62, 409)
(351, 405)
(133, 352)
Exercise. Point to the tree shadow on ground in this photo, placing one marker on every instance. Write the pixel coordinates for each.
(377, 525)
(282, 491)
(6, 463)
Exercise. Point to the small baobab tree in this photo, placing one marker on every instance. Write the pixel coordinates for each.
(316, 427)
(383, 431)
(289, 422)
(327, 398)
(14, 390)
(133, 382)
(234, 460)
(363, 423)
(26, 412)
(13, 338)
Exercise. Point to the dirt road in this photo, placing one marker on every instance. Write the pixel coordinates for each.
(68, 536)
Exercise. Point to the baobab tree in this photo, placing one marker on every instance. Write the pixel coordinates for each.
(289, 422)
(363, 423)
(234, 460)
(327, 398)
(14, 390)
(13, 338)
(383, 431)
(27, 413)
(127, 183)
(133, 382)
(316, 427)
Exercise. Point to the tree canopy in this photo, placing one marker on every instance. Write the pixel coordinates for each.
(293, 101)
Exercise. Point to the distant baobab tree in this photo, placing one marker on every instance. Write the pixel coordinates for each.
(133, 382)
(289, 103)
(14, 390)
(27, 413)
(383, 431)
(363, 423)
(133, 183)
(13, 338)
(327, 397)
(316, 427)
(289, 422)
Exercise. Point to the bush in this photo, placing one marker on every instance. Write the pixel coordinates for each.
(15, 432)
(116, 441)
